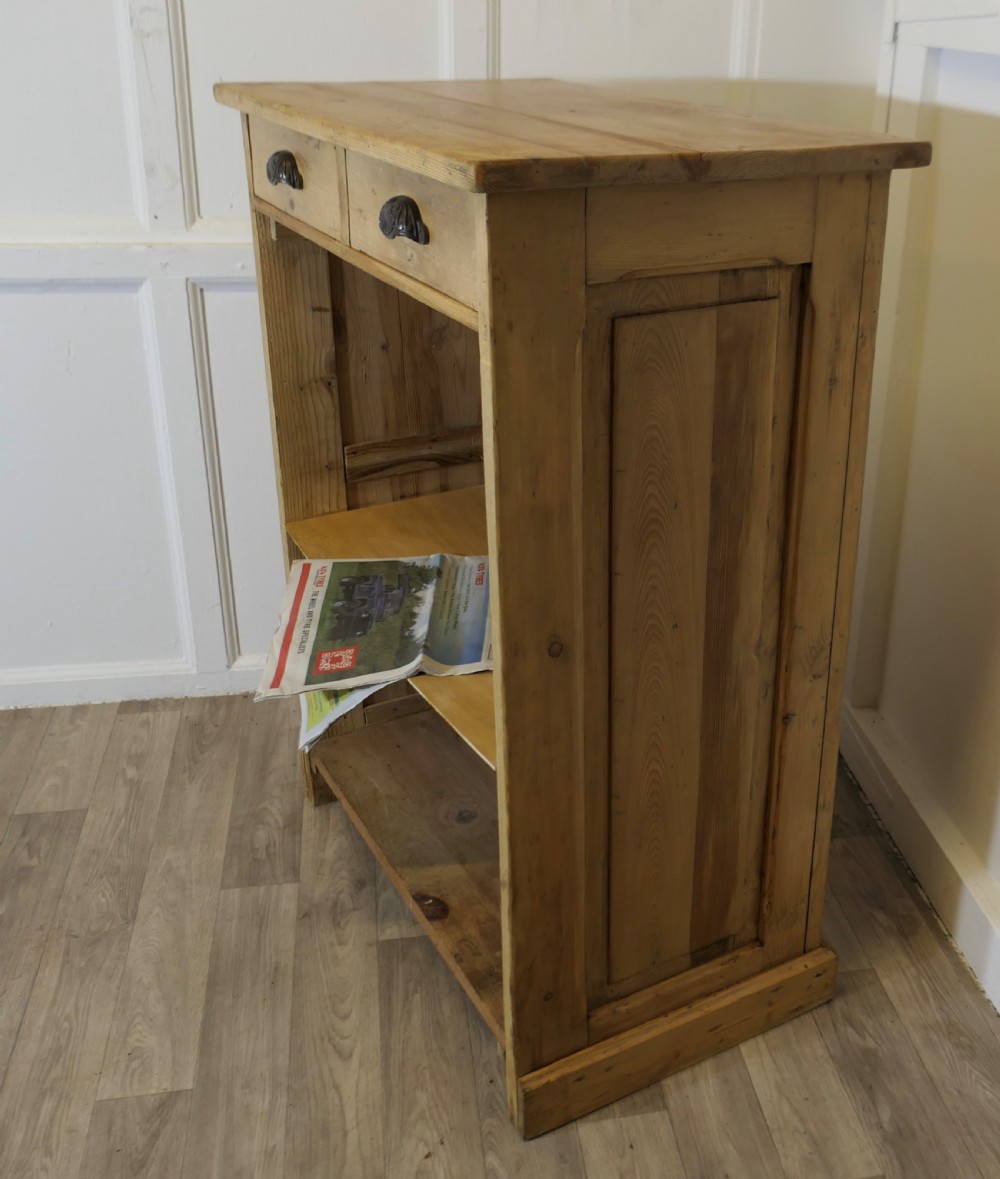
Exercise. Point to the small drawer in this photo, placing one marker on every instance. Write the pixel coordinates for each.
(311, 162)
(446, 260)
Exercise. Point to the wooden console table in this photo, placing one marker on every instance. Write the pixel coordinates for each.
(624, 346)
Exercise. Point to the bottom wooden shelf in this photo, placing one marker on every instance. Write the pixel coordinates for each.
(426, 805)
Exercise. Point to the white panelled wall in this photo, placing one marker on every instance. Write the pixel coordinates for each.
(139, 553)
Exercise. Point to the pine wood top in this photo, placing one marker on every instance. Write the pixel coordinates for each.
(538, 133)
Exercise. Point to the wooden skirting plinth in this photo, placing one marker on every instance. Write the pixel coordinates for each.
(604, 1072)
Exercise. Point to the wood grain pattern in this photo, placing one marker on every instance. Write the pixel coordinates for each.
(630, 1146)
(663, 997)
(426, 806)
(21, 734)
(319, 166)
(750, 431)
(296, 310)
(505, 1153)
(405, 370)
(335, 1095)
(265, 822)
(431, 1118)
(429, 296)
(653, 229)
(447, 261)
(137, 1138)
(152, 1044)
(624, 1063)
(452, 522)
(423, 452)
(35, 855)
(664, 388)
(895, 1100)
(801, 1093)
(243, 1054)
(816, 503)
(936, 999)
(531, 258)
(718, 1123)
(610, 137)
(915, 1043)
(51, 1080)
(871, 283)
(466, 703)
(69, 759)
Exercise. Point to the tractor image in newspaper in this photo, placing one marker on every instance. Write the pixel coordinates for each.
(364, 601)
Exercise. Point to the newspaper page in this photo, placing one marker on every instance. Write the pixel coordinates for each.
(362, 623)
(319, 709)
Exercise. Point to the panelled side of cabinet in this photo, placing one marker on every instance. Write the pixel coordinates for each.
(696, 521)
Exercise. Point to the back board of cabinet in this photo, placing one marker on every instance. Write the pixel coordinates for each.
(622, 346)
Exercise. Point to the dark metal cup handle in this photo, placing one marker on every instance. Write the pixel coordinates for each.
(282, 169)
(400, 217)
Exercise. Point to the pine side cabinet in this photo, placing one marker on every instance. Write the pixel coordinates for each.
(624, 347)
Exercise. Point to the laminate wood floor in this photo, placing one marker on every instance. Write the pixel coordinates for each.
(203, 978)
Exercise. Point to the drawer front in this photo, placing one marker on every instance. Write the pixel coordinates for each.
(319, 202)
(447, 260)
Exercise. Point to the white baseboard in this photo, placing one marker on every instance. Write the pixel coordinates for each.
(97, 683)
(964, 893)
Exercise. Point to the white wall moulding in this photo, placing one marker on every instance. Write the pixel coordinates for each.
(134, 679)
(928, 10)
(960, 887)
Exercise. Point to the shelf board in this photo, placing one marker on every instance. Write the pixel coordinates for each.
(449, 522)
(426, 805)
(466, 703)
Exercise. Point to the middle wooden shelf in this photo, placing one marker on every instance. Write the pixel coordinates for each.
(449, 522)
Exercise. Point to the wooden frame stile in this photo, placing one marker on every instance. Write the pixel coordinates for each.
(871, 283)
(293, 275)
(531, 257)
(810, 646)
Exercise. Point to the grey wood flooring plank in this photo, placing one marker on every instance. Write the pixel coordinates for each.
(240, 1096)
(21, 733)
(956, 1036)
(631, 1146)
(69, 758)
(137, 1137)
(718, 1123)
(51, 1080)
(265, 825)
(556, 1155)
(335, 1088)
(394, 919)
(851, 816)
(34, 858)
(805, 1103)
(895, 1099)
(431, 1116)
(153, 1040)
(839, 935)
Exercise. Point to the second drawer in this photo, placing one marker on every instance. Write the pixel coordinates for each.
(446, 260)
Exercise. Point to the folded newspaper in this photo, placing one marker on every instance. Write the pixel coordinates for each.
(360, 624)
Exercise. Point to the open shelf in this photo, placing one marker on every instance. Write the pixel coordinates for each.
(449, 522)
(426, 805)
(466, 703)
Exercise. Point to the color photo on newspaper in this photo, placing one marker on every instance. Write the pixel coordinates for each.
(352, 624)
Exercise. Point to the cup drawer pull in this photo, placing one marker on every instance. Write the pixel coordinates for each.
(282, 169)
(400, 217)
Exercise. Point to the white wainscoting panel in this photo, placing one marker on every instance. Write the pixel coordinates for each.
(83, 531)
(63, 121)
